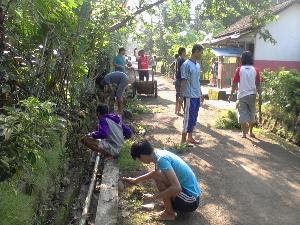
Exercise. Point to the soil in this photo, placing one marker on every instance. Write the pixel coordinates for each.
(243, 181)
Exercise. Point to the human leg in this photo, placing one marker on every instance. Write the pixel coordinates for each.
(93, 144)
(120, 92)
(252, 111)
(244, 115)
(193, 115)
(162, 184)
(146, 74)
(141, 76)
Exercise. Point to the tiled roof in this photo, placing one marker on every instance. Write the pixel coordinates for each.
(244, 24)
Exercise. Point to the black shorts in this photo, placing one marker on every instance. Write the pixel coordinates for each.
(143, 74)
(185, 203)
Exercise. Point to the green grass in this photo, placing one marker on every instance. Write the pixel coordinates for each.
(24, 198)
(125, 161)
(136, 106)
(181, 147)
(227, 120)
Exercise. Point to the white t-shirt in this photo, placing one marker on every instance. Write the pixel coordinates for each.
(247, 77)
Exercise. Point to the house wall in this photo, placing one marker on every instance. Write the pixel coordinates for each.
(286, 32)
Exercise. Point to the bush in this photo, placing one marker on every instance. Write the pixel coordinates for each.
(281, 107)
(228, 120)
(282, 89)
(26, 134)
(135, 105)
(24, 198)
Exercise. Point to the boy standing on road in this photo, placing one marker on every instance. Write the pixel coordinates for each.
(109, 137)
(190, 90)
(143, 66)
(175, 180)
(180, 61)
(247, 81)
(119, 61)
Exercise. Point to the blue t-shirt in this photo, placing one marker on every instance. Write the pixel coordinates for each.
(190, 71)
(119, 60)
(166, 160)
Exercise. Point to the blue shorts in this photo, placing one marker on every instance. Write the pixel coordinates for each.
(192, 106)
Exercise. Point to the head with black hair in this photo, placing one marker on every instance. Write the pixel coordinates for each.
(100, 82)
(143, 151)
(176, 56)
(181, 51)
(122, 51)
(247, 58)
(197, 51)
(101, 110)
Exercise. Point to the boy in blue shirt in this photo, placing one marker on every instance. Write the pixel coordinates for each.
(119, 61)
(175, 180)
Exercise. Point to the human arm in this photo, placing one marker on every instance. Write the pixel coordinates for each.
(139, 179)
(127, 132)
(183, 82)
(234, 86)
(102, 132)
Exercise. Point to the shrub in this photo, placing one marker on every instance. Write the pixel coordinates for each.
(282, 89)
(125, 160)
(135, 105)
(26, 134)
(227, 120)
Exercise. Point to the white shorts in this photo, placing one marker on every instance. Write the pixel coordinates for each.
(108, 147)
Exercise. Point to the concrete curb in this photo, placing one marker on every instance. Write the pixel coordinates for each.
(107, 208)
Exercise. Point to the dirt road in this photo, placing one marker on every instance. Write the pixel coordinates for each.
(244, 181)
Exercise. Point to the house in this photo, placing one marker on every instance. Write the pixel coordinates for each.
(285, 30)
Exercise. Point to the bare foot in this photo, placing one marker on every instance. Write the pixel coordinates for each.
(193, 141)
(166, 216)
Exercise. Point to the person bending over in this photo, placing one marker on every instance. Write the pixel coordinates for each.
(121, 80)
(176, 182)
(109, 137)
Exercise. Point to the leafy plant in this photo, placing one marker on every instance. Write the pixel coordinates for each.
(26, 134)
(227, 120)
(135, 105)
(125, 161)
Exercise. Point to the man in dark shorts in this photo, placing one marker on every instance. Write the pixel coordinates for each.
(121, 80)
(180, 61)
(175, 180)
(143, 66)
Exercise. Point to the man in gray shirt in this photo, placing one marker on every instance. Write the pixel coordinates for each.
(121, 80)
(190, 91)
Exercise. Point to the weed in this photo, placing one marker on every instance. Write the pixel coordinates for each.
(180, 147)
(227, 120)
(125, 161)
(135, 105)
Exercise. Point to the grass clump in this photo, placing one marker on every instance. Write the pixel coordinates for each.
(180, 147)
(135, 106)
(227, 120)
(125, 161)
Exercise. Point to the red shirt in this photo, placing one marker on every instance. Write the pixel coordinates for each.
(143, 62)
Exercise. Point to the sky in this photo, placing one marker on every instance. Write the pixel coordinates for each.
(134, 3)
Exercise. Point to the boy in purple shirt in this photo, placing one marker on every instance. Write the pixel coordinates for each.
(109, 137)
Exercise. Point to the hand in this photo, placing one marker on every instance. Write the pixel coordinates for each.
(202, 99)
(148, 197)
(130, 180)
